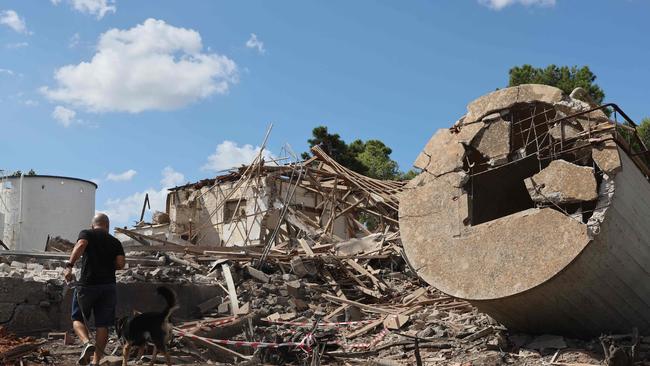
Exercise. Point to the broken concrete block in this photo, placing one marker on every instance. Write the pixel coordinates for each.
(356, 246)
(298, 304)
(224, 308)
(564, 130)
(244, 309)
(209, 304)
(395, 322)
(467, 132)
(302, 268)
(4, 267)
(34, 267)
(293, 288)
(19, 265)
(506, 98)
(563, 182)
(442, 154)
(353, 313)
(288, 316)
(493, 141)
(605, 155)
(257, 274)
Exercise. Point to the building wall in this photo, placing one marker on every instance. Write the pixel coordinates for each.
(204, 210)
(53, 206)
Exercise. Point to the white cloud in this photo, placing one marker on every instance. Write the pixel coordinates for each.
(64, 116)
(98, 8)
(30, 102)
(500, 4)
(255, 43)
(17, 45)
(171, 178)
(7, 72)
(121, 177)
(152, 66)
(126, 210)
(229, 155)
(11, 19)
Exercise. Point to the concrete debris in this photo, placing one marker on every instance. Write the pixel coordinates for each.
(443, 154)
(562, 182)
(493, 142)
(306, 263)
(505, 98)
(160, 218)
(552, 206)
(606, 157)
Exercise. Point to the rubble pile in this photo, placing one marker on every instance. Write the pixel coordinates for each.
(32, 271)
(307, 263)
(14, 348)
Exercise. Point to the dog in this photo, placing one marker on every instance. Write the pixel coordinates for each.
(150, 327)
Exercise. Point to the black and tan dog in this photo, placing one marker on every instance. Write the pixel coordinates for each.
(150, 327)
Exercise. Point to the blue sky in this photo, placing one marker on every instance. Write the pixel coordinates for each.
(140, 95)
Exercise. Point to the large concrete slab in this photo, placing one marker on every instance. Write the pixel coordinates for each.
(563, 182)
(507, 97)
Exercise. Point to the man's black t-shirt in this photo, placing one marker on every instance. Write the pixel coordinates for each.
(98, 261)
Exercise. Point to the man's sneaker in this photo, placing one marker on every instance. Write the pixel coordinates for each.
(86, 354)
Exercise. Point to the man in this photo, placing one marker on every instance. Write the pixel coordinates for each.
(101, 254)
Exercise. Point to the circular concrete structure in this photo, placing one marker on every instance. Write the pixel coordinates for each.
(529, 209)
(33, 207)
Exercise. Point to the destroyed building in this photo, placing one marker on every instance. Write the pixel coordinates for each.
(303, 263)
(533, 207)
(255, 205)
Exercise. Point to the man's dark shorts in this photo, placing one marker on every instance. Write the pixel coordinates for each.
(99, 300)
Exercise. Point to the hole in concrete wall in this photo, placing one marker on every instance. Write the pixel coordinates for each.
(234, 210)
(500, 192)
(530, 125)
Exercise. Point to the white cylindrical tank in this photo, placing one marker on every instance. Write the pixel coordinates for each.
(37, 206)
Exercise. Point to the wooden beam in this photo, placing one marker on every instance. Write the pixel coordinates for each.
(232, 291)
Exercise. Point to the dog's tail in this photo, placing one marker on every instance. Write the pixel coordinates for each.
(170, 297)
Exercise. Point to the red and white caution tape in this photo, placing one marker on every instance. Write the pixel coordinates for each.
(320, 324)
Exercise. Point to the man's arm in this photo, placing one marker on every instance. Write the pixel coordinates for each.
(120, 262)
(77, 252)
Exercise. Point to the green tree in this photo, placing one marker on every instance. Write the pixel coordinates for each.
(375, 157)
(562, 77)
(370, 158)
(18, 173)
(335, 147)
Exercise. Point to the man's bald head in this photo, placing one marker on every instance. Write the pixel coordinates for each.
(100, 221)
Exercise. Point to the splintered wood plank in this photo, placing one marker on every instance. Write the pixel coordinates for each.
(232, 291)
(359, 268)
(305, 246)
